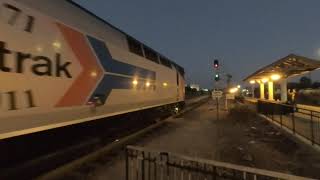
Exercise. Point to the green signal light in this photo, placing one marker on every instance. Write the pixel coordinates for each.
(217, 77)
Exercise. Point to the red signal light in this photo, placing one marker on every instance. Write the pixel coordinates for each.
(215, 63)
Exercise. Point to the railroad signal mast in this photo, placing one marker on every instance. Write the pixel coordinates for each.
(216, 69)
(216, 94)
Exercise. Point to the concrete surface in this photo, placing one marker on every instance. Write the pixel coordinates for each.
(230, 139)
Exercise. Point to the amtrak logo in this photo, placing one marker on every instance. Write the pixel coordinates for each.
(41, 65)
(97, 62)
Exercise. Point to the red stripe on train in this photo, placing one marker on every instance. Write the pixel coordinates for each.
(92, 72)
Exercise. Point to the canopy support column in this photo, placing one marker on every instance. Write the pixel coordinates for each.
(270, 91)
(252, 90)
(284, 90)
(261, 90)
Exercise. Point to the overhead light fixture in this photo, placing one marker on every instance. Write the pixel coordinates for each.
(264, 80)
(252, 82)
(275, 77)
(233, 90)
(135, 82)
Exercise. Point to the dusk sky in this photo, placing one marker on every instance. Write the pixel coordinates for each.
(243, 34)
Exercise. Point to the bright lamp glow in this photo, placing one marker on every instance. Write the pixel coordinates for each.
(238, 86)
(233, 90)
(264, 80)
(275, 77)
(134, 82)
(252, 82)
(165, 84)
(148, 84)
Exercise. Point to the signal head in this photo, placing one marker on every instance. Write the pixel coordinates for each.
(216, 63)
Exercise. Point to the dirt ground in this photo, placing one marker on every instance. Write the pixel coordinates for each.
(238, 137)
(254, 142)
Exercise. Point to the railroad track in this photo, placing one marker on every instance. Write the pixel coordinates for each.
(84, 150)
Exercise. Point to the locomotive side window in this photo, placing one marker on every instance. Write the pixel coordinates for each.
(165, 62)
(151, 55)
(134, 46)
(177, 79)
(181, 70)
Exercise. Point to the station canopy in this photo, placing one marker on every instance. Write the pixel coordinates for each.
(286, 67)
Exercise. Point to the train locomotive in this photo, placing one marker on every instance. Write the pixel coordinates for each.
(61, 65)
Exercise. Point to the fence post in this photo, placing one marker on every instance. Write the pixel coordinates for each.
(127, 164)
(149, 165)
(214, 173)
(293, 122)
(281, 111)
(142, 166)
(272, 112)
(311, 124)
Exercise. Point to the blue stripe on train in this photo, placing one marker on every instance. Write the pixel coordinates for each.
(111, 65)
(110, 82)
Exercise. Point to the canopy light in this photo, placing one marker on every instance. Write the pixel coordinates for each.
(264, 80)
(134, 82)
(252, 82)
(275, 77)
(233, 90)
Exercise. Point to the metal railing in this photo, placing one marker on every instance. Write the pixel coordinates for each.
(144, 164)
(301, 121)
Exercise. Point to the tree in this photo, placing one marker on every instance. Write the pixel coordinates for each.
(316, 85)
(305, 82)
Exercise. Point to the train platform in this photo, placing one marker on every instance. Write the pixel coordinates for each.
(238, 138)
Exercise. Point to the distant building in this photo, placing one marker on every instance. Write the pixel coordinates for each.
(195, 86)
